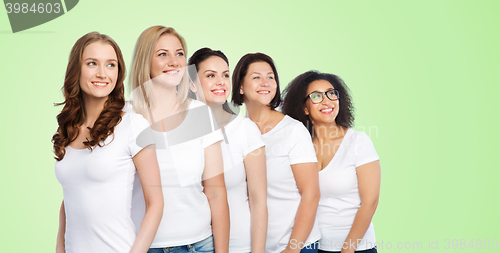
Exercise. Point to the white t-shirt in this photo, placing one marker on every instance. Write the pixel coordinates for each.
(243, 137)
(97, 188)
(180, 153)
(340, 199)
(287, 143)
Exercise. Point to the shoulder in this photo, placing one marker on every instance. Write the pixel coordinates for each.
(358, 136)
(134, 120)
(195, 103)
(297, 128)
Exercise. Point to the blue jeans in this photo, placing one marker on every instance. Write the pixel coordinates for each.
(310, 248)
(205, 245)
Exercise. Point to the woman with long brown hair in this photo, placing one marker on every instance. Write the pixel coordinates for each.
(97, 155)
(188, 148)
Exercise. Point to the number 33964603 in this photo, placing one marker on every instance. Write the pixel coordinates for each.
(477, 244)
(34, 8)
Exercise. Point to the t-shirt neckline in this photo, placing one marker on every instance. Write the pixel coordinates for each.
(340, 146)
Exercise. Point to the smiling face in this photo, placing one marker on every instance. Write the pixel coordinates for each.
(99, 70)
(259, 84)
(327, 110)
(214, 79)
(168, 61)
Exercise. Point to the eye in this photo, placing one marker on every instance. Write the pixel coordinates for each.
(180, 54)
(162, 54)
(315, 96)
(111, 65)
(210, 75)
(92, 63)
(226, 76)
(256, 77)
(270, 77)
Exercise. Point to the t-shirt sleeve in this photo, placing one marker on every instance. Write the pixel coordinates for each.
(253, 137)
(364, 150)
(141, 134)
(302, 150)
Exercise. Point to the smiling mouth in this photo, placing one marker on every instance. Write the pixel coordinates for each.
(327, 110)
(263, 92)
(171, 72)
(100, 84)
(219, 92)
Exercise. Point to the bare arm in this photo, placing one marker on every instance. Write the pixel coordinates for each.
(306, 176)
(369, 190)
(62, 230)
(255, 167)
(215, 190)
(149, 174)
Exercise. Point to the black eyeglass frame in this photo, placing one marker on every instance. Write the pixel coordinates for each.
(323, 95)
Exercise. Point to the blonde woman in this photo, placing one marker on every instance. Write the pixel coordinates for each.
(188, 148)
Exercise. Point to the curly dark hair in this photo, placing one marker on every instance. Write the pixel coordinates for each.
(296, 91)
(196, 59)
(72, 115)
(240, 71)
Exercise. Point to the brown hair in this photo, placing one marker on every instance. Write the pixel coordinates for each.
(141, 67)
(240, 71)
(72, 115)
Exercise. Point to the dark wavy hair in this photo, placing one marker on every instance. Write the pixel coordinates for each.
(240, 71)
(196, 59)
(72, 115)
(296, 92)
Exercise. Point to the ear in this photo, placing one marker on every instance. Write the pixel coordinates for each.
(192, 87)
(241, 90)
(306, 111)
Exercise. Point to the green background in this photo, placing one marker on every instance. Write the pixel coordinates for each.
(424, 77)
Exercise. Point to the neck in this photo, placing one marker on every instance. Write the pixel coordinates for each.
(164, 101)
(93, 108)
(323, 131)
(222, 117)
(258, 113)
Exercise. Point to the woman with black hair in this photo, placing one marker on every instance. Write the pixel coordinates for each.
(242, 150)
(348, 164)
(292, 177)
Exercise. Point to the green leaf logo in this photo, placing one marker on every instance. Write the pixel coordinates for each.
(25, 14)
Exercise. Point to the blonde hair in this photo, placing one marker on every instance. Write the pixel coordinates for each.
(140, 72)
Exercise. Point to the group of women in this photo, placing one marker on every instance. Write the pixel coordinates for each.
(176, 169)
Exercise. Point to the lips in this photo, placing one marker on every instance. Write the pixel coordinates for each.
(264, 92)
(171, 72)
(327, 110)
(219, 92)
(100, 84)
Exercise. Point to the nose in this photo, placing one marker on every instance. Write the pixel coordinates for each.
(264, 83)
(173, 62)
(100, 72)
(219, 81)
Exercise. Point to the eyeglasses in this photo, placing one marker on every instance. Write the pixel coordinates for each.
(317, 96)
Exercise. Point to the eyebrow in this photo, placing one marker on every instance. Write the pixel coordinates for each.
(329, 89)
(258, 73)
(94, 59)
(180, 49)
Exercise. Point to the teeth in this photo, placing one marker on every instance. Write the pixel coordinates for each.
(327, 110)
(99, 84)
(218, 91)
(172, 71)
(263, 92)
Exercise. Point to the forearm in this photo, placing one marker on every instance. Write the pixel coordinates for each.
(220, 220)
(304, 221)
(62, 230)
(149, 226)
(258, 212)
(359, 227)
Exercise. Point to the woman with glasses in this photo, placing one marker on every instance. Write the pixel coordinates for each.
(348, 164)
